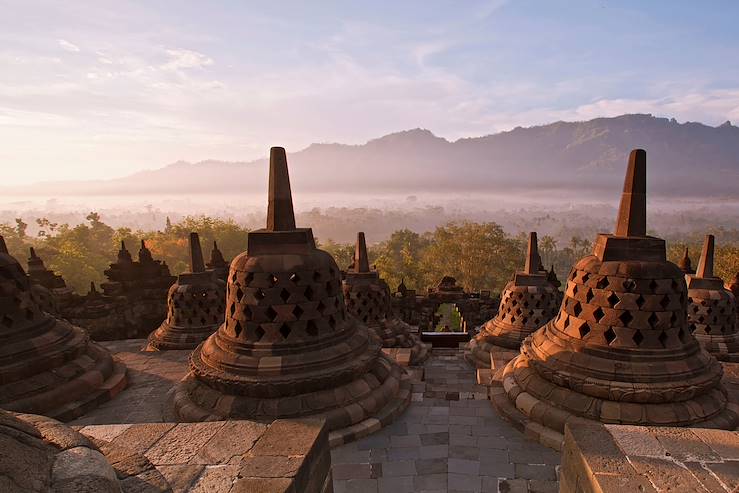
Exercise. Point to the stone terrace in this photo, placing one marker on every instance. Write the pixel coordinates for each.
(449, 438)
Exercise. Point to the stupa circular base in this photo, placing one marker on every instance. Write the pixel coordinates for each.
(169, 338)
(724, 348)
(73, 379)
(518, 394)
(352, 410)
(395, 333)
(477, 353)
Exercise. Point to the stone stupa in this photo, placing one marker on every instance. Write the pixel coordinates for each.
(712, 309)
(288, 347)
(368, 299)
(528, 301)
(685, 264)
(195, 306)
(619, 351)
(47, 365)
(218, 263)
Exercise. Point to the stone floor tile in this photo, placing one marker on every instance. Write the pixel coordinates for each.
(465, 482)
(441, 438)
(463, 466)
(399, 468)
(362, 486)
(431, 466)
(464, 452)
(404, 453)
(489, 484)
(538, 486)
(351, 471)
(431, 482)
(399, 484)
(434, 451)
(534, 471)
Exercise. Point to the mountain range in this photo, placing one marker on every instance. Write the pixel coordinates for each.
(686, 159)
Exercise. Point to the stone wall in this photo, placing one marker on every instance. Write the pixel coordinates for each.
(286, 456)
(616, 459)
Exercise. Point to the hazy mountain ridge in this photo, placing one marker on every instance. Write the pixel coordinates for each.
(684, 158)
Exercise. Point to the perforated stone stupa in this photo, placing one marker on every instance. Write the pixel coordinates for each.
(619, 351)
(712, 308)
(47, 366)
(528, 301)
(195, 306)
(217, 263)
(685, 264)
(368, 299)
(288, 347)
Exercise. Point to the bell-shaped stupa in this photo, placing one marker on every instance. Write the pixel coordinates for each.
(685, 264)
(619, 351)
(195, 306)
(528, 301)
(288, 347)
(47, 365)
(368, 299)
(712, 309)
(218, 263)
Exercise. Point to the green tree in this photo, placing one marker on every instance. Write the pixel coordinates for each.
(399, 258)
(478, 255)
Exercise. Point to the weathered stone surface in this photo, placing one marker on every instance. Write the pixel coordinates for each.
(285, 319)
(48, 366)
(609, 459)
(195, 306)
(528, 301)
(619, 351)
(182, 443)
(368, 299)
(712, 309)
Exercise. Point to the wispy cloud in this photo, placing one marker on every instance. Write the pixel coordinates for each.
(67, 46)
(182, 59)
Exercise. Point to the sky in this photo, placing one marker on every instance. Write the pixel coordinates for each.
(101, 89)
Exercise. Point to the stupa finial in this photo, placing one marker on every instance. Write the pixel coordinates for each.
(3, 246)
(280, 214)
(361, 261)
(33, 253)
(123, 245)
(632, 213)
(705, 264)
(532, 255)
(196, 254)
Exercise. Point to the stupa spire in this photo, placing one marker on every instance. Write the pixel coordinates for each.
(196, 254)
(361, 261)
(532, 255)
(280, 214)
(685, 264)
(3, 246)
(33, 253)
(632, 213)
(705, 264)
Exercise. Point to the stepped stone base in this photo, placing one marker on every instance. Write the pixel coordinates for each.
(615, 459)
(484, 354)
(351, 411)
(218, 457)
(545, 423)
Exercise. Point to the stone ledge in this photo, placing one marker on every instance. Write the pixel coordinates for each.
(222, 456)
(618, 458)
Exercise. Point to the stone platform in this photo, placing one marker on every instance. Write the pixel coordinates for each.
(217, 457)
(449, 438)
(616, 459)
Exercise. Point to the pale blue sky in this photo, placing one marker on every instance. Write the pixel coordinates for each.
(105, 88)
